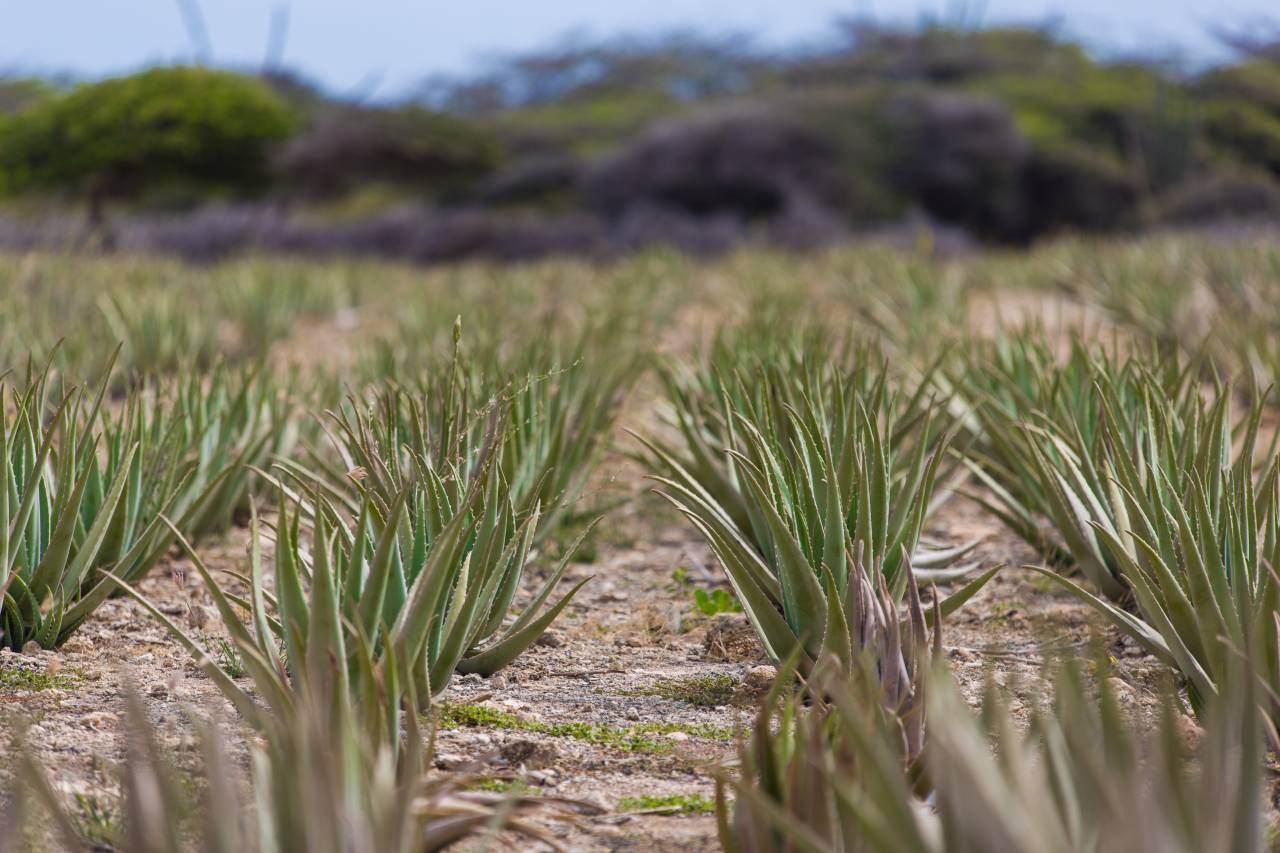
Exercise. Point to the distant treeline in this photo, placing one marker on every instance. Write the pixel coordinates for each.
(1005, 134)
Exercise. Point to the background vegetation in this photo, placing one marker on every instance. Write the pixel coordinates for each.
(1004, 135)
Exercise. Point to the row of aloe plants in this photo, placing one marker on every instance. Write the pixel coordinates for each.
(87, 483)
(1147, 482)
(319, 778)
(811, 483)
(385, 581)
(813, 486)
(401, 553)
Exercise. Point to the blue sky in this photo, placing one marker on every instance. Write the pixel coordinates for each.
(347, 44)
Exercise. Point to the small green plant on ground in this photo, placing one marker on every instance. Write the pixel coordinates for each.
(680, 580)
(229, 660)
(97, 820)
(643, 737)
(22, 679)
(1004, 609)
(503, 786)
(669, 804)
(716, 601)
(703, 691)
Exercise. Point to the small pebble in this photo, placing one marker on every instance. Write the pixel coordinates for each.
(541, 778)
(449, 761)
(550, 639)
(761, 677)
(98, 720)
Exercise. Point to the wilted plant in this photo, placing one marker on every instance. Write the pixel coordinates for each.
(1083, 777)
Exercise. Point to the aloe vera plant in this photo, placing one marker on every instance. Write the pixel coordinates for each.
(1046, 437)
(63, 516)
(427, 581)
(1082, 778)
(89, 484)
(159, 330)
(557, 420)
(784, 411)
(1196, 537)
(227, 424)
(817, 542)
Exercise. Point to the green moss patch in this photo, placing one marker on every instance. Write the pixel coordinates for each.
(33, 680)
(672, 804)
(643, 737)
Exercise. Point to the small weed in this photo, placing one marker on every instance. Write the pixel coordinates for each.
(638, 738)
(32, 680)
(702, 691)
(98, 821)
(502, 786)
(717, 601)
(1005, 609)
(479, 716)
(229, 660)
(679, 580)
(671, 804)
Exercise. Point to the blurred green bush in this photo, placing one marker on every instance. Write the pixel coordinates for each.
(1008, 133)
(119, 137)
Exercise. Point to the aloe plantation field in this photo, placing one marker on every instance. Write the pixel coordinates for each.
(864, 549)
